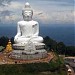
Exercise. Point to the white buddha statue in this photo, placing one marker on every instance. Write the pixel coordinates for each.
(27, 29)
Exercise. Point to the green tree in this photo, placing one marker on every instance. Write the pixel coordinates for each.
(12, 40)
(4, 41)
(1, 48)
(50, 43)
(70, 50)
(61, 48)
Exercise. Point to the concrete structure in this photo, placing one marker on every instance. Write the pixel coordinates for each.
(28, 43)
(70, 61)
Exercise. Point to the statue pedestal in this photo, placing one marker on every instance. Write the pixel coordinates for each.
(22, 46)
(29, 51)
(22, 55)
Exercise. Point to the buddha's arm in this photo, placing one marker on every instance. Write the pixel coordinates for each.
(36, 30)
(18, 31)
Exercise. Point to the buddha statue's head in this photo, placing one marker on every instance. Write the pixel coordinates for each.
(27, 12)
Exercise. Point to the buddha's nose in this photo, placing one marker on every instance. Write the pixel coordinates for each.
(28, 14)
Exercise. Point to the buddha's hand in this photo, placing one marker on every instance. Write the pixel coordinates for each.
(22, 36)
(34, 36)
(15, 38)
(28, 36)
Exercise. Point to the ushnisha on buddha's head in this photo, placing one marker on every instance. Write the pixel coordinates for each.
(27, 12)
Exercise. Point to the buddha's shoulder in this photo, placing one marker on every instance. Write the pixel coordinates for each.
(21, 22)
(34, 22)
(28, 22)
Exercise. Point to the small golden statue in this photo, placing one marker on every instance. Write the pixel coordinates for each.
(8, 47)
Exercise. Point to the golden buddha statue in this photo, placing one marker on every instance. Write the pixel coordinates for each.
(8, 47)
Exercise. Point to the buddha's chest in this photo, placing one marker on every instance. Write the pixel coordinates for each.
(28, 25)
(27, 29)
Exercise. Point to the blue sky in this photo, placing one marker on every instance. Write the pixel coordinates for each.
(45, 11)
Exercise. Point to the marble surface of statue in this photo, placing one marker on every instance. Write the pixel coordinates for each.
(28, 44)
(27, 29)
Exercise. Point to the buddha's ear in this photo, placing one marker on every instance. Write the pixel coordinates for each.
(32, 12)
(22, 13)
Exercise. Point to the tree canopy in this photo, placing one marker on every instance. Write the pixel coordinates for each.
(51, 44)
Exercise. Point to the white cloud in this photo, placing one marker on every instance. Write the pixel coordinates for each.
(15, 5)
(44, 15)
(13, 10)
(10, 19)
(45, 18)
(56, 17)
(74, 16)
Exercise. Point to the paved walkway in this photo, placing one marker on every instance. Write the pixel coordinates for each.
(4, 59)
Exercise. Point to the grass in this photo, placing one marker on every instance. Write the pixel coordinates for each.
(30, 69)
(54, 67)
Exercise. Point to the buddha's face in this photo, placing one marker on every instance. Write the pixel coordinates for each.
(27, 15)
